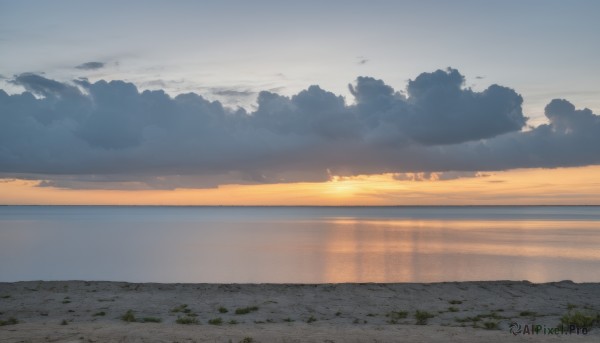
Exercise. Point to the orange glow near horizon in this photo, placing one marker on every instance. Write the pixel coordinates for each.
(561, 186)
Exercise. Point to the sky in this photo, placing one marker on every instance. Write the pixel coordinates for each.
(299, 103)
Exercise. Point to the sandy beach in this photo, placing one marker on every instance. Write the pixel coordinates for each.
(79, 311)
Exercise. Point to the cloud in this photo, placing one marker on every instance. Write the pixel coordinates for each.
(40, 85)
(437, 110)
(233, 92)
(444, 113)
(437, 176)
(361, 60)
(90, 66)
(110, 135)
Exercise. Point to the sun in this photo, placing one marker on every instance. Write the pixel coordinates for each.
(340, 186)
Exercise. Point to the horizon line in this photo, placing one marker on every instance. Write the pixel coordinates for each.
(349, 206)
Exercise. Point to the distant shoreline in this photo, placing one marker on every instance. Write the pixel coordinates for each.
(308, 206)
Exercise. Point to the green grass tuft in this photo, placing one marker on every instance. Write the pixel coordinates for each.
(151, 320)
(128, 316)
(580, 319)
(455, 302)
(452, 309)
(490, 325)
(186, 320)
(422, 317)
(215, 321)
(311, 319)
(9, 321)
(246, 310)
(180, 308)
(101, 313)
(527, 314)
(395, 315)
(223, 310)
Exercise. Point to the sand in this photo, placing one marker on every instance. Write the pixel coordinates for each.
(79, 311)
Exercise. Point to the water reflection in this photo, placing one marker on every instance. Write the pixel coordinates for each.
(457, 250)
(263, 245)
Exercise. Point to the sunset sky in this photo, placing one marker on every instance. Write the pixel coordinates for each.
(299, 103)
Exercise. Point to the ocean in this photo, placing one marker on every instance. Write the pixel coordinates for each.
(300, 244)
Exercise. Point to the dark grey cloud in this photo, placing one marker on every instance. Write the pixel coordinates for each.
(438, 110)
(361, 60)
(110, 135)
(40, 85)
(438, 176)
(91, 65)
(444, 113)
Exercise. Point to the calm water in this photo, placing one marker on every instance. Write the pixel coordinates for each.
(299, 244)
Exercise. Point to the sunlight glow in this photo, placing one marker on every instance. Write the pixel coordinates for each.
(565, 186)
